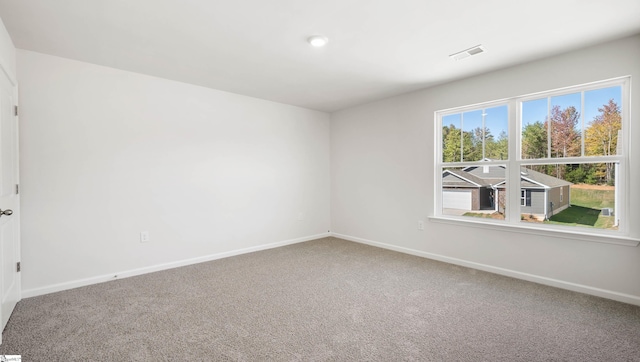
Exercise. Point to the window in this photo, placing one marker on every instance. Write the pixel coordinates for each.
(525, 197)
(561, 194)
(563, 150)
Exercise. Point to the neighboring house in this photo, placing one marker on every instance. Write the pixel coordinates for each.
(483, 188)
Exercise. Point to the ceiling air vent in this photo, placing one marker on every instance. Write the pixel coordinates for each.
(467, 53)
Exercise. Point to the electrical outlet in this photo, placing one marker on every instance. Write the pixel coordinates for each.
(300, 216)
(420, 225)
(144, 236)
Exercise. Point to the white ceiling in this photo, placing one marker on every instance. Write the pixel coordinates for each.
(377, 48)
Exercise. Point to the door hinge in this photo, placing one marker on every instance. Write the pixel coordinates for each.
(17, 189)
(18, 267)
(15, 111)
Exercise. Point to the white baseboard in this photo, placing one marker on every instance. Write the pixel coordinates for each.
(621, 297)
(154, 268)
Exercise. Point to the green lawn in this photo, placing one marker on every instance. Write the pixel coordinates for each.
(577, 215)
(585, 210)
(593, 198)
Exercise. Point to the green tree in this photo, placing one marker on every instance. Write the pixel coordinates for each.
(577, 173)
(451, 144)
(469, 147)
(454, 141)
(498, 150)
(478, 140)
(534, 140)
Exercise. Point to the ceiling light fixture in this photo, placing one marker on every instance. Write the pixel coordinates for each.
(467, 52)
(317, 40)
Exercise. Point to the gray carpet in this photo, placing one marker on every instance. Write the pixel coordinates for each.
(323, 300)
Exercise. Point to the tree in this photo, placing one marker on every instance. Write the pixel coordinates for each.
(565, 139)
(454, 141)
(445, 133)
(601, 137)
(498, 150)
(479, 141)
(470, 151)
(451, 144)
(534, 140)
(581, 173)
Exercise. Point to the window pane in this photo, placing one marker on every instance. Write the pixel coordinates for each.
(475, 135)
(451, 138)
(472, 135)
(496, 138)
(534, 129)
(603, 121)
(569, 194)
(565, 126)
(475, 191)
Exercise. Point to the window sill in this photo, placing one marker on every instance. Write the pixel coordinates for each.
(556, 233)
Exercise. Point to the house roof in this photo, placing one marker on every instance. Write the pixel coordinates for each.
(461, 178)
(541, 178)
(494, 175)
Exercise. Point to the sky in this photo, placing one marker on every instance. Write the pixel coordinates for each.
(496, 118)
(536, 110)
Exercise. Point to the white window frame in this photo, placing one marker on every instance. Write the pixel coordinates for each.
(512, 219)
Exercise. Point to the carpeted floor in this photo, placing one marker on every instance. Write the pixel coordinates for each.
(323, 300)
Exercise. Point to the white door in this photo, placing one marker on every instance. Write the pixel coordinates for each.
(9, 201)
(456, 200)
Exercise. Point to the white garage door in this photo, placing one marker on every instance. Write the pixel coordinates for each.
(456, 200)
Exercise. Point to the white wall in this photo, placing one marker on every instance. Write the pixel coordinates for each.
(7, 53)
(106, 154)
(382, 179)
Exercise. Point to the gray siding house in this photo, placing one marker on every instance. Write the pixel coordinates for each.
(483, 188)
